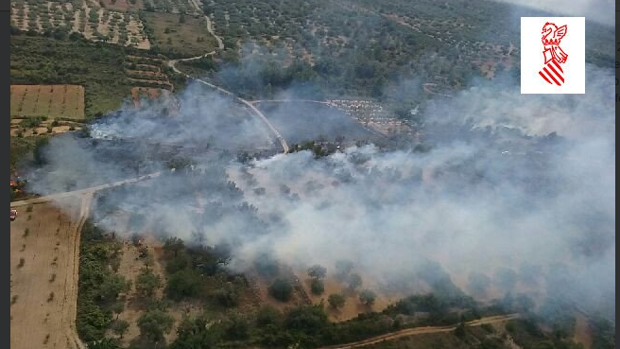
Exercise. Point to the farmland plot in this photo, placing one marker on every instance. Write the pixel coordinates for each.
(52, 101)
(44, 277)
(84, 17)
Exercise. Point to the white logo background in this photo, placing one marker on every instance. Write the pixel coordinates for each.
(532, 60)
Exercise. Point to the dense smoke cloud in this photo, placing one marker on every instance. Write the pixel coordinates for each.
(515, 193)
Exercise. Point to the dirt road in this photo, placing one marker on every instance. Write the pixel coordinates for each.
(220, 42)
(422, 330)
(256, 112)
(72, 287)
(85, 191)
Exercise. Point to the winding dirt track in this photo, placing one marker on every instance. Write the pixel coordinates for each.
(220, 42)
(172, 64)
(422, 330)
(256, 112)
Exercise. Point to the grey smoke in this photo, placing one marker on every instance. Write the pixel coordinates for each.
(602, 11)
(498, 196)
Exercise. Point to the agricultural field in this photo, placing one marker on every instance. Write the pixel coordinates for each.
(51, 101)
(86, 18)
(43, 276)
(179, 35)
(41, 60)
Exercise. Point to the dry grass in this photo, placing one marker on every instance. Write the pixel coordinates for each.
(52, 101)
(42, 276)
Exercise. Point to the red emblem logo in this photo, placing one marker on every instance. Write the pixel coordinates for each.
(554, 55)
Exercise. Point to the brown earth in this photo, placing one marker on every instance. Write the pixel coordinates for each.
(44, 267)
(352, 306)
(55, 101)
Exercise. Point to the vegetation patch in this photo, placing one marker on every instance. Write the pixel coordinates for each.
(178, 35)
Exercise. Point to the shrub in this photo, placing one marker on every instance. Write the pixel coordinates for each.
(154, 324)
(317, 287)
(183, 283)
(147, 282)
(281, 290)
(367, 297)
(227, 296)
(268, 315)
(336, 300)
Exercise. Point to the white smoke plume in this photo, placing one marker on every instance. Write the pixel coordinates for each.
(512, 185)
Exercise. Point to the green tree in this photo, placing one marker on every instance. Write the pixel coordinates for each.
(147, 283)
(112, 286)
(317, 272)
(227, 295)
(117, 308)
(317, 287)
(194, 334)
(336, 300)
(91, 321)
(178, 262)
(308, 320)
(120, 327)
(238, 328)
(367, 297)
(154, 324)
(268, 315)
(281, 290)
(106, 343)
(184, 283)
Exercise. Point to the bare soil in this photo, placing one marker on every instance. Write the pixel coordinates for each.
(44, 276)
